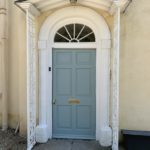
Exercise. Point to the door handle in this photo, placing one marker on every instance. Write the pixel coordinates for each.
(54, 101)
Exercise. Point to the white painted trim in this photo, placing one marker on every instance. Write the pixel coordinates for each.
(27, 6)
(122, 4)
(74, 45)
(115, 79)
(100, 28)
(106, 5)
(46, 5)
(31, 13)
(31, 79)
(42, 44)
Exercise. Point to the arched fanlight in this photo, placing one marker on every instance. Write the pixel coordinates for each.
(74, 33)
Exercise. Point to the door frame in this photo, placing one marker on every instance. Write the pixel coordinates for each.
(102, 45)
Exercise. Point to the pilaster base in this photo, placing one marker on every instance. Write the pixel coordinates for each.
(41, 134)
(106, 136)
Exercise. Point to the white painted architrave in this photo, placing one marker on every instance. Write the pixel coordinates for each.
(46, 43)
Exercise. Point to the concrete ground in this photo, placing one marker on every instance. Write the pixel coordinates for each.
(10, 141)
(70, 145)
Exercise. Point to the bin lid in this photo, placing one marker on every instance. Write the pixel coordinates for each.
(135, 132)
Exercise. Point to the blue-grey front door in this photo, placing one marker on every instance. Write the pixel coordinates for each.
(74, 100)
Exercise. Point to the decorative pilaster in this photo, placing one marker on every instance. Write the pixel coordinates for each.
(42, 128)
(104, 82)
(31, 13)
(3, 62)
(117, 7)
(115, 77)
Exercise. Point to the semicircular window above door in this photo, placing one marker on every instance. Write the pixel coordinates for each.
(74, 33)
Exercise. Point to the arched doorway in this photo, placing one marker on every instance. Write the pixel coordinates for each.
(62, 17)
(74, 84)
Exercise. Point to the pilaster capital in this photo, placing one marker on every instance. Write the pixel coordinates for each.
(118, 4)
(29, 7)
(3, 11)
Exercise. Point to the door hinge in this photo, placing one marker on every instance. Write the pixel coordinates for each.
(49, 68)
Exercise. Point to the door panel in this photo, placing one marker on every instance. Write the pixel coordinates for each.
(81, 112)
(63, 87)
(64, 113)
(74, 113)
(63, 58)
(83, 82)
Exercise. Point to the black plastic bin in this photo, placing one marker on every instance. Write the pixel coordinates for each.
(136, 140)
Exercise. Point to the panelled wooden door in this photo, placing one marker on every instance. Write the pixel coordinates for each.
(74, 93)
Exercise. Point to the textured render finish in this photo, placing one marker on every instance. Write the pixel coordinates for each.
(17, 68)
(135, 67)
